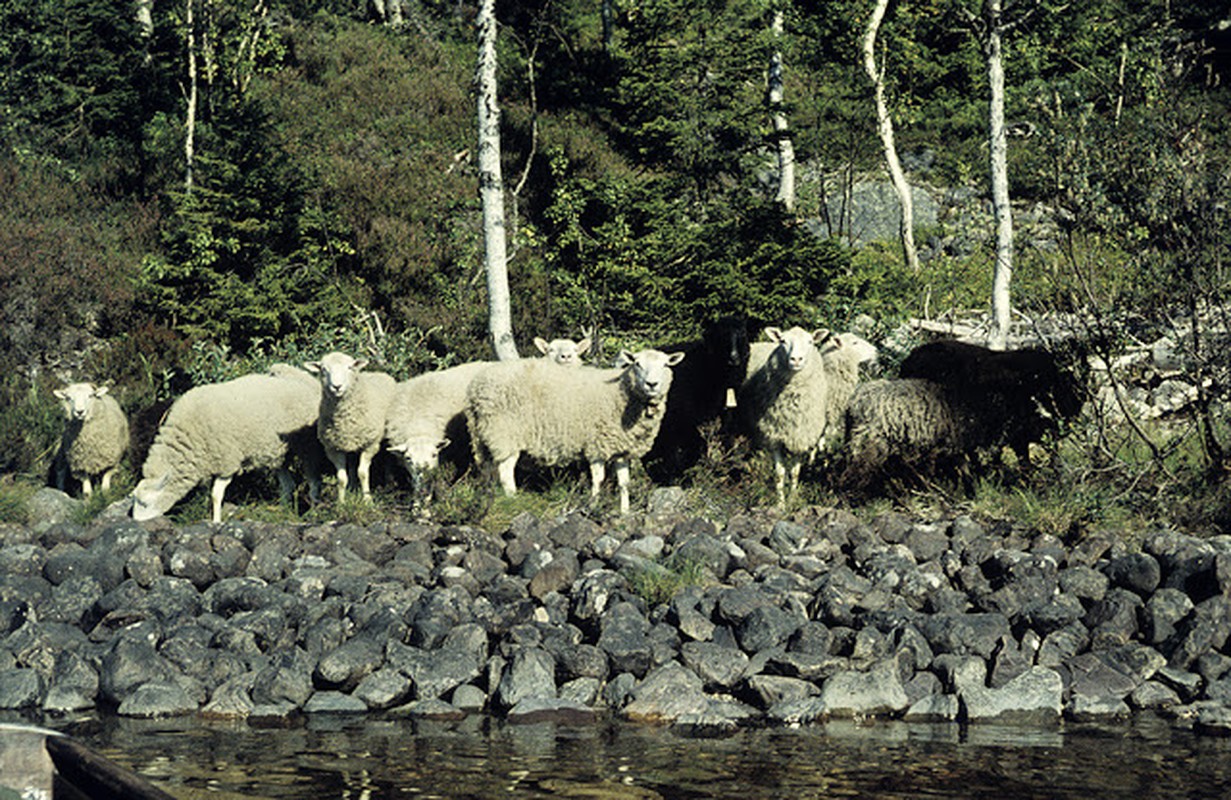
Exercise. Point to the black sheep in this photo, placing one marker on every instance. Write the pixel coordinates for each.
(701, 388)
(1020, 395)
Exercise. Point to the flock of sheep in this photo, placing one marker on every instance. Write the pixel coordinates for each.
(795, 394)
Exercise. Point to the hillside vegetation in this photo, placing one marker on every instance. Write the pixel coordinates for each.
(331, 196)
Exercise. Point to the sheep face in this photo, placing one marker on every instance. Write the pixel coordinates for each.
(152, 498)
(649, 373)
(564, 352)
(861, 350)
(337, 372)
(78, 400)
(422, 453)
(728, 342)
(795, 346)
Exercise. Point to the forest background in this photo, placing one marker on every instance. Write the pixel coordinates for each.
(307, 181)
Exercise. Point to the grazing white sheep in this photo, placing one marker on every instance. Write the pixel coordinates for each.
(558, 414)
(428, 415)
(564, 352)
(784, 401)
(216, 431)
(95, 438)
(354, 405)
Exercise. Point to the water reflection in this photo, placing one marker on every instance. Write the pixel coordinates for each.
(364, 759)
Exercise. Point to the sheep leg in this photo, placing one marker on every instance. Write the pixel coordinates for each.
(621, 471)
(598, 474)
(364, 471)
(504, 469)
(106, 480)
(216, 493)
(794, 463)
(338, 460)
(779, 475)
(87, 488)
(286, 485)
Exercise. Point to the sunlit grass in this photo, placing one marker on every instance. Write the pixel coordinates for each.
(659, 582)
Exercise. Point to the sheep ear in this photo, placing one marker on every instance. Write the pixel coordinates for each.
(61, 394)
(360, 364)
(583, 346)
(541, 344)
(312, 366)
(820, 334)
(101, 390)
(773, 334)
(624, 359)
(445, 442)
(674, 358)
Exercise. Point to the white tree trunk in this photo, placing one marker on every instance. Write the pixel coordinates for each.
(145, 18)
(1002, 273)
(190, 121)
(782, 133)
(884, 127)
(491, 189)
(608, 14)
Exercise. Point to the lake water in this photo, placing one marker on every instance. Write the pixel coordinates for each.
(366, 759)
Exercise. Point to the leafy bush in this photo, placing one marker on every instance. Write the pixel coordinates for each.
(30, 425)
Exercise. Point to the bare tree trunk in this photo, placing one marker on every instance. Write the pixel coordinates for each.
(782, 133)
(998, 144)
(145, 18)
(608, 14)
(884, 126)
(491, 189)
(190, 122)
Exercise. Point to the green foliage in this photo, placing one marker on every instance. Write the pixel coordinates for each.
(690, 86)
(232, 266)
(384, 195)
(30, 425)
(14, 501)
(69, 91)
(66, 255)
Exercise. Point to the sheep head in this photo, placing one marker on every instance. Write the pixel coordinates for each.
(565, 352)
(78, 400)
(649, 374)
(421, 452)
(795, 346)
(858, 348)
(151, 498)
(728, 343)
(337, 372)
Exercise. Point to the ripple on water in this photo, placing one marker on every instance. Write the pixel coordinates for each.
(347, 757)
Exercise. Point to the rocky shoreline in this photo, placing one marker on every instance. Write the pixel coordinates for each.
(783, 621)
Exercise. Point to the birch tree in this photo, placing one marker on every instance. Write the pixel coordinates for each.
(782, 133)
(1002, 272)
(884, 127)
(190, 121)
(491, 189)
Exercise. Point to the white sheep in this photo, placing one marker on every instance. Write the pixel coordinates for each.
(565, 352)
(558, 414)
(95, 438)
(353, 408)
(784, 401)
(842, 354)
(428, 415)
(216, 431)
